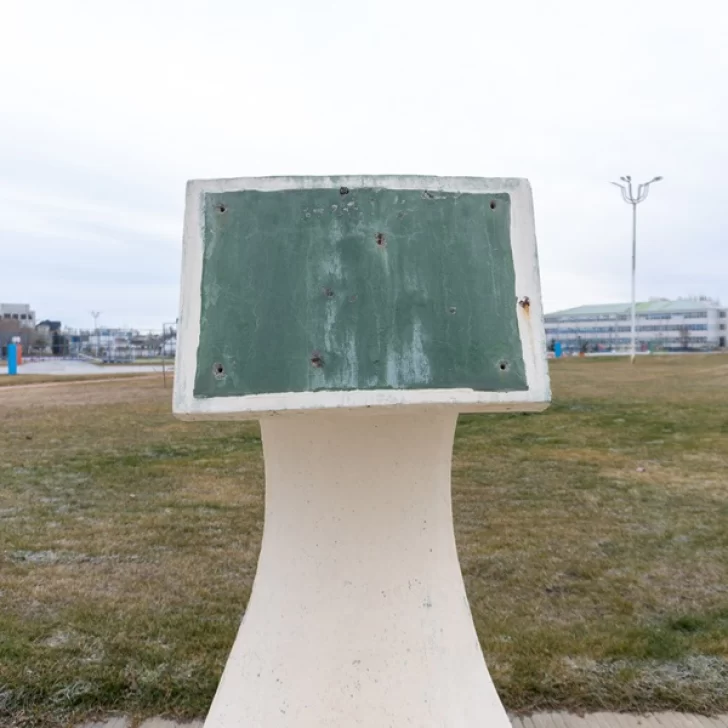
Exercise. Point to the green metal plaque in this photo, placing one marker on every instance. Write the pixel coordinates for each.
(337, 289)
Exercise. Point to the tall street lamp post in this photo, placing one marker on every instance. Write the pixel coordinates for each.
(634, 199)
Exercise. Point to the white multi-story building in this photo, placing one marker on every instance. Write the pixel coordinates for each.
(685, 324)
(20, 312)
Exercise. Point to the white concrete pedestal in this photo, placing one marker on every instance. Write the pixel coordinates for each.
(358, 615)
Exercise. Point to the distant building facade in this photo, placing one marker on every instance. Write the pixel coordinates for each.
(50, 338)
(48, 326)
(17, 322)
(121, 344)
(684, 324)
(20, 312)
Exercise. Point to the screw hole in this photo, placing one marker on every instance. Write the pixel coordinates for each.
(380, 240)
(329, 292)
(492, 204)
(220, 208)
(503, 366)
(452, 309)
(218, 371)
(343, 190)
(317, 360)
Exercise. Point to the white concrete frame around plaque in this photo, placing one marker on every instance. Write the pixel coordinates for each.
(358, 614)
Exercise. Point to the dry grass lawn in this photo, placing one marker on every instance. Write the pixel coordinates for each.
(24, 380)
(593, 540)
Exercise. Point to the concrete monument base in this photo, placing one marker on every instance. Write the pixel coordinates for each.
(358, 615)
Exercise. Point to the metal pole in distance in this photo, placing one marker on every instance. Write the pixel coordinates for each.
(633, 351)
(634, 198)
(164, 346)
(164, 370)
(96, 315)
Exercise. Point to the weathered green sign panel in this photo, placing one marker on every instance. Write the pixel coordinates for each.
(338, 289)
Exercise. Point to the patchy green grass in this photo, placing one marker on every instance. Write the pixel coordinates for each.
(593, 540)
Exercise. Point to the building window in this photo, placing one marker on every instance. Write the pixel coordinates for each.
(696, 314)
(15, 316)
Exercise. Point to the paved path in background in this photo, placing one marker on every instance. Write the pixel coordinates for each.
(539, 720)
(66, 367)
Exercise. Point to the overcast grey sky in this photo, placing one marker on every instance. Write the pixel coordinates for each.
(107, 108)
